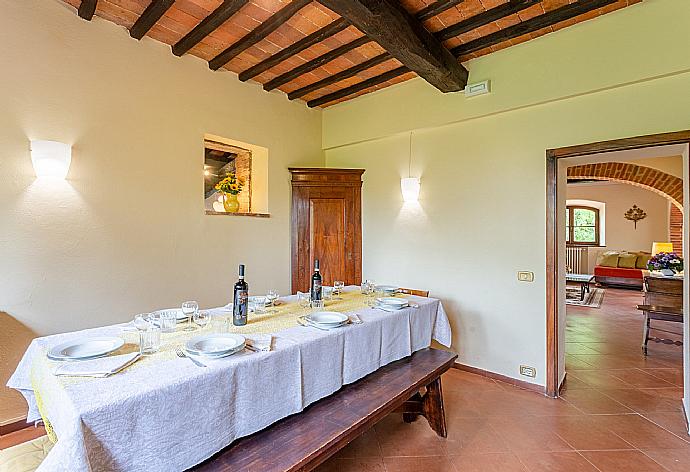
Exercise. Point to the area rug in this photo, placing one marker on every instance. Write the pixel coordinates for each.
(592, 299)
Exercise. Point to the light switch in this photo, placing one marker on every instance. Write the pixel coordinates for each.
(525, 276)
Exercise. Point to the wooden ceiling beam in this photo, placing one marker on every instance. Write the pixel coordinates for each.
(342, 75)
(529, 26)
(87, 8)
(219, 16)
(150, 17)
(347, 91)
(314, 63)
(257, 34)
(481, 19)
(316, 37)
(436, 9)
(389, 24)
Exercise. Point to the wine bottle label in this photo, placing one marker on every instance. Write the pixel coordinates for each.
(239, 308)
(316, 290)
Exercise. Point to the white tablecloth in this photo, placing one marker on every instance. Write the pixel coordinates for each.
(171, 415)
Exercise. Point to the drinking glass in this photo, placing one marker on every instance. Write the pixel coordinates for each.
(189, 308)
(338, 286)
(258, 304)
(327, 293)
(219, 323)
(143, 325)
(316, 305)
(150, 340)
(272, 296)
(201, 318)
(166, 320)
(304, 300)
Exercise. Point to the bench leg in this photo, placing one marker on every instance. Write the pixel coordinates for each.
(433, 408)
(411, 417)
(430, 406)
(645, 333)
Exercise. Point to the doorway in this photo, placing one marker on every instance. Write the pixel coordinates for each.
(556, 160)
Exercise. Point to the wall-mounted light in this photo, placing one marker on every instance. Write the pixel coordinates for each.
(51, 158)
(410, 185)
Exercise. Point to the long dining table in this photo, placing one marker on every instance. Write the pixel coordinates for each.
(164, 413)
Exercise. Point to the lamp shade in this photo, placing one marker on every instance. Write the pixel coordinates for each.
(410, 188)
(51, 158)
(661, 247)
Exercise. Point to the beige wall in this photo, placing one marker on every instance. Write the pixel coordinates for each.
(126, 232)
(621, 233)
(481, 213)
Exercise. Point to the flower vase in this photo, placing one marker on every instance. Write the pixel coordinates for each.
(230, 203)
(667, 272)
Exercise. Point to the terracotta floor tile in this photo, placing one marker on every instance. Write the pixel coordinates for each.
(579, 348)
(619, 461)
(397, 438)
(675, 460)
(670, 421)
(556, 462)
(603, 378)
(588, 433)
(416, 464)
(642, 401)
(641, 432)
(473, 436)
(367, 445)
(639, 378)
(672, 376)
(529, 434)
(504, 462)
(594, 402)
(369, 464)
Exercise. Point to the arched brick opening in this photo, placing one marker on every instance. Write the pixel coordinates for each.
(667, 185)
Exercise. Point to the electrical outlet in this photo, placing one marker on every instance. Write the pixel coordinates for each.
(525, 276)
(528, 371)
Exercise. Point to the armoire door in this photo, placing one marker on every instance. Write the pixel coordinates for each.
(326, 225)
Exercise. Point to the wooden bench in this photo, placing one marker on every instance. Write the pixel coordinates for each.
(303, 441)
(660, 313)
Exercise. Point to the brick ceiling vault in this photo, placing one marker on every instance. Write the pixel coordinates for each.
(324, 55)
(667, 185)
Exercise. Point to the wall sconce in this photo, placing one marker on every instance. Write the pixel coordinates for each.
(410, 188)
(410, 185)
(51, 158)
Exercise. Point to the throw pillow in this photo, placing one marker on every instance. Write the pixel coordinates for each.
(608, 259)
(627, 260)
(642, 259)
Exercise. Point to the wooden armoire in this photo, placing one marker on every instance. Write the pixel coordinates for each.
(326, 225)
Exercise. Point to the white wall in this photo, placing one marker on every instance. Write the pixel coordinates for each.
(621, 233)
(481, 213)
(126, 232)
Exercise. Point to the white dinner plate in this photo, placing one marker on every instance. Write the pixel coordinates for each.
(395, 302)
(387, 288)
(179, 316)
(384, 307)
(88, 348)
(328, 318)
(215, 356)
(215, 344)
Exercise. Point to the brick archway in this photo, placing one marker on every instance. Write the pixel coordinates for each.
(667, 185)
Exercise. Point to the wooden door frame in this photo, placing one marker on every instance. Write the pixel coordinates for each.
(553, 222)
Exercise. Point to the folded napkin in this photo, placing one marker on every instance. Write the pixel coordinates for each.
(259, 342)
(101, 367)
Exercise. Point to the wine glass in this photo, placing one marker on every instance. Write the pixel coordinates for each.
(201, 318)
(189, 308)
(141, 323)
(338, 286)
(272, 296)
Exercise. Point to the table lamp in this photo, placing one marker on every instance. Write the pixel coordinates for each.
(661, 247)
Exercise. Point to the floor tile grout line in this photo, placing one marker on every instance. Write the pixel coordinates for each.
(655, 461)
(588, 461)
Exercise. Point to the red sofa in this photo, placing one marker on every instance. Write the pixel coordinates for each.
(618, 276)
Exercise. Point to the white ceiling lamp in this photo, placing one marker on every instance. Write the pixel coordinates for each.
(51, 158)
(410, 185)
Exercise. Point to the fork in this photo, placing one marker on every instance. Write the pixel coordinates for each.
(181, 353)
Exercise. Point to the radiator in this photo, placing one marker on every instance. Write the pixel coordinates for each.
(576, 260)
